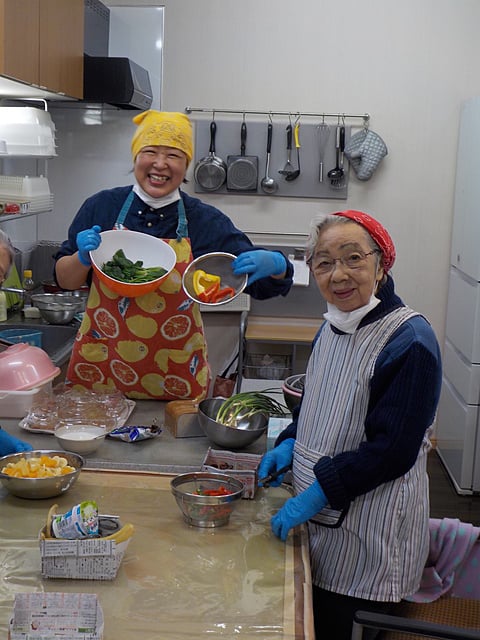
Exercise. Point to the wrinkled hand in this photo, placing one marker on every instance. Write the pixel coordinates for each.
(10, 444)
(259, 264)
(298, 509)
(275, 459)
(87, 241)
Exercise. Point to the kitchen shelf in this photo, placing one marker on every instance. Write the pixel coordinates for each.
(286, 340)
(21, 216)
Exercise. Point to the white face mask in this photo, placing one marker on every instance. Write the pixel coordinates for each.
(348, 321)
(156, 203)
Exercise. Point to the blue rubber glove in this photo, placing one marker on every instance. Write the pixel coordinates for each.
(10, 444)
(259, 264)
(88, 240)
(275, 459)
(298, 509)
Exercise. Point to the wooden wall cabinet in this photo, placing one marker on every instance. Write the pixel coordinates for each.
(42, 43)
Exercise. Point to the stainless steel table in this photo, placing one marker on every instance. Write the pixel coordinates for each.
(164, 453)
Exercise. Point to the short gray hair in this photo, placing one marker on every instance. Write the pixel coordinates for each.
(7, 243)
(320, 222)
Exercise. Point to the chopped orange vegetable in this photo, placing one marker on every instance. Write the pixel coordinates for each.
(41, 467)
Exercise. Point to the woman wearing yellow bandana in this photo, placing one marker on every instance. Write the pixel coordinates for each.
(153, 346)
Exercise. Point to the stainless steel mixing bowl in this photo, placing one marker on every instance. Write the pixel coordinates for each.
(216, 264)
(203, 510)
(38, 488)
(58, 308)
(245, 433)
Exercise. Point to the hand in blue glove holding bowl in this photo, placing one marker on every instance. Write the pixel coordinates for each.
(260, 264)
(87, 241)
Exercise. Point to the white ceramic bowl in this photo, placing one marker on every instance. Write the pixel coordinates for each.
(80, 438)
(152, 251)
(24, 367)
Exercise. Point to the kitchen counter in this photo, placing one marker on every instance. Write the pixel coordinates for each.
(164, 453)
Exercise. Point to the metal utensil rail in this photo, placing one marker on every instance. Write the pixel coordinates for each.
(297, 114)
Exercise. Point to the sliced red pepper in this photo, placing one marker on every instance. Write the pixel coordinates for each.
(226, 292)
(209, 293)
(215, 294)
(221, 491)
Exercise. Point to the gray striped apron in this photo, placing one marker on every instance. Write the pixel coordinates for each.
(379, 550)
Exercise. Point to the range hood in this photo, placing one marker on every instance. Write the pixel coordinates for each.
(117, 81)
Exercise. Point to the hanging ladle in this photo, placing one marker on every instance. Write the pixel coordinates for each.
(336, 174)
(268, 184)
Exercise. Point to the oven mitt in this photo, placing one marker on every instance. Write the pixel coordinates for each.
(365, 151)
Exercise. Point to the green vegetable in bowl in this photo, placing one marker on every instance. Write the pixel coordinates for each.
(123, 269)
(243, 405)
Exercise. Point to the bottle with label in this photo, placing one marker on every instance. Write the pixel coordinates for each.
(28, 285)
(3, 306)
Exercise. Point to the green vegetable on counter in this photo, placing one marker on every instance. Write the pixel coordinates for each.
(123, 269)
(247, 403)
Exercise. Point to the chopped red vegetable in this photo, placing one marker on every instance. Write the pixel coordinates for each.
(215, 294)
(221, 491)
(226, 292)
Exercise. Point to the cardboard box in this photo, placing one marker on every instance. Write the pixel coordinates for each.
(242, 466)
(86, 559)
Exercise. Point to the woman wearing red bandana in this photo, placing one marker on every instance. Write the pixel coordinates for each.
(358, 442)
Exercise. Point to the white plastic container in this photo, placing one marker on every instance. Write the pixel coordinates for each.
(27, 131)
(17, 404)
(24, 187)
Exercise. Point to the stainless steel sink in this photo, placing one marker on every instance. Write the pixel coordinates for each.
(57, 340)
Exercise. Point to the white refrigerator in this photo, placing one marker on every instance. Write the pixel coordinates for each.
(458, 418)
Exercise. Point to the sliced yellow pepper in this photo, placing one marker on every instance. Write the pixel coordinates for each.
(203, 281)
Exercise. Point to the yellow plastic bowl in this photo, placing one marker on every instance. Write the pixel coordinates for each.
(154, 252)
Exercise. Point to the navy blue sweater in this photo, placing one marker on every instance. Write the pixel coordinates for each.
(404, 394)
(208, 229)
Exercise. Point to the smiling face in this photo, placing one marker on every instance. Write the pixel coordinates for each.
(346, 288)
(160, 170)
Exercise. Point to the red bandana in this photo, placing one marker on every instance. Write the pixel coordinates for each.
(377, 231)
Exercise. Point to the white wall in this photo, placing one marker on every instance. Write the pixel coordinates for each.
(409, 64)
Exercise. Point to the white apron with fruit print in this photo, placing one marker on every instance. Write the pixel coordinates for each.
(150, 347)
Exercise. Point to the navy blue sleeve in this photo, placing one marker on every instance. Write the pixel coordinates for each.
(208, 229)
(404, 395)
(102, 208)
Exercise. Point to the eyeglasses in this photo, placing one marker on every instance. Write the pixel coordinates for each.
(352, 260)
